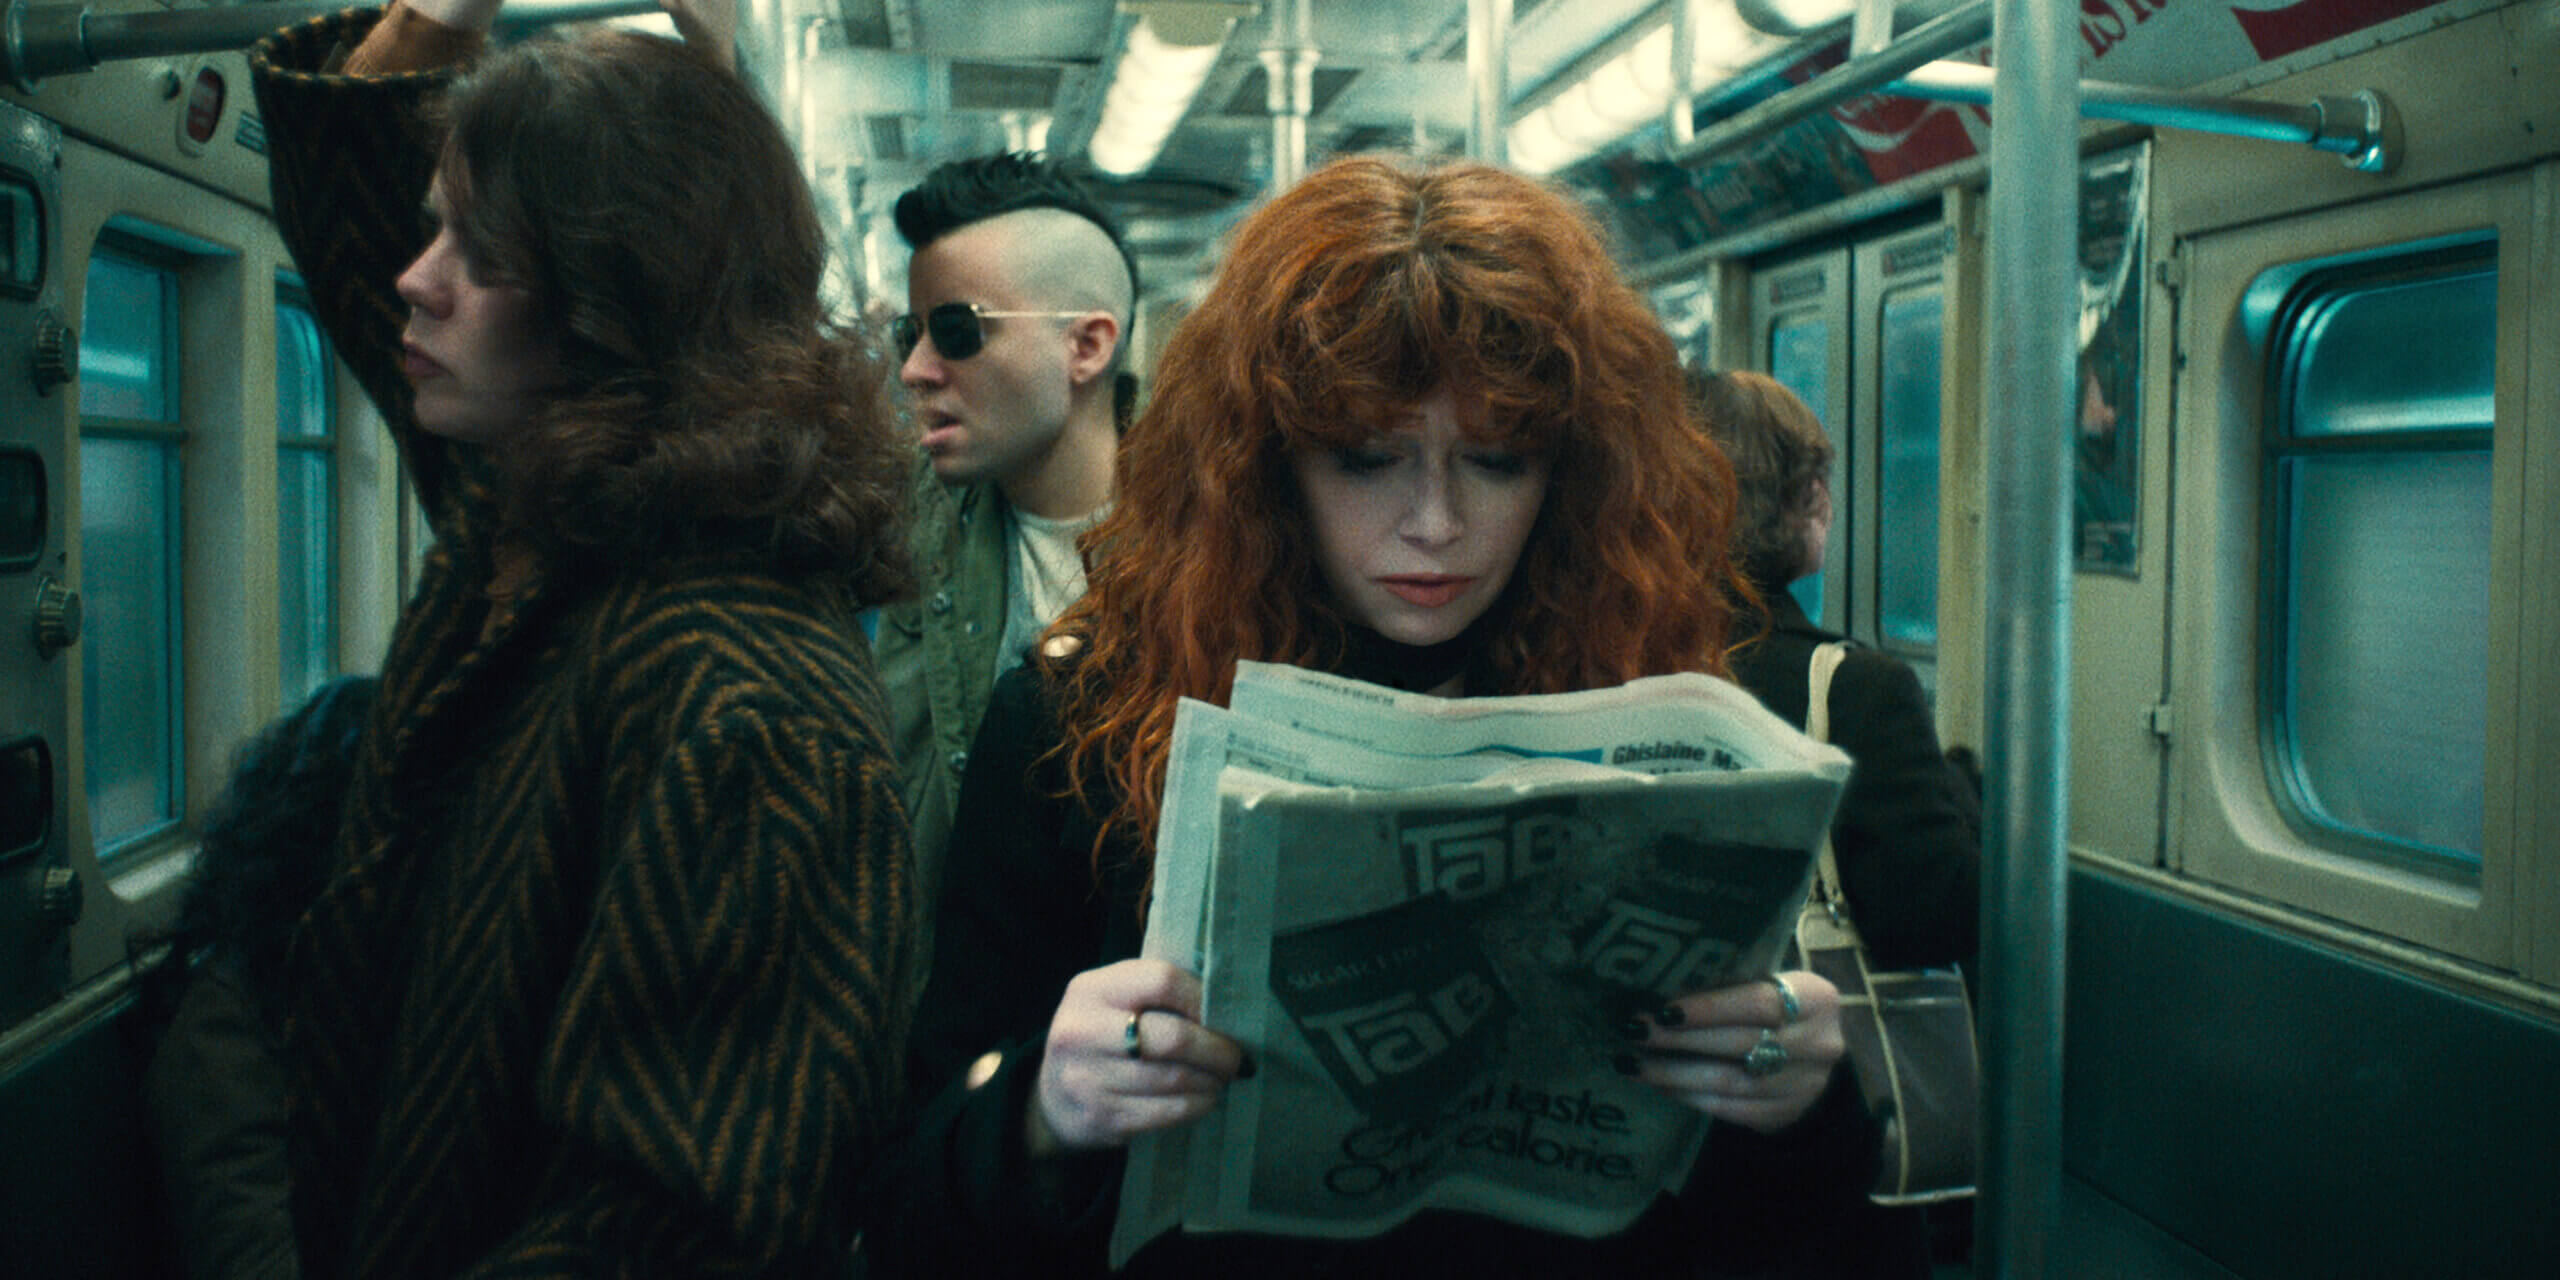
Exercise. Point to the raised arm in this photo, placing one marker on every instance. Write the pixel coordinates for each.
(349, 162)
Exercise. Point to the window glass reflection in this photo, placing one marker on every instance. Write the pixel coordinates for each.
(1800, 358)
(2381, 474)
(1907, 471)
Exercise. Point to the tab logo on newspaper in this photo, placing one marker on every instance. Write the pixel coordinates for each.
(1400, 1005)
(1468, 853)
(1679, 924)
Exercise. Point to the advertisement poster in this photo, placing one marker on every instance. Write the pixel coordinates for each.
(2106, 421)
(1659, 207)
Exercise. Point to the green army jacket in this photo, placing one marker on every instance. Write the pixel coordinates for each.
(938, 655)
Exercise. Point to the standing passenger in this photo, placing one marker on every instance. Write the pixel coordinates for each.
(1019, 299)
(1417, 432)
(213, 1083)
(606, 975)
(1907, 834)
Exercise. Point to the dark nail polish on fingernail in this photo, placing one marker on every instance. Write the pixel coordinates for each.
(1633, 1029)
(1669, 1016)
(1246, 1068)
(1625, 1063)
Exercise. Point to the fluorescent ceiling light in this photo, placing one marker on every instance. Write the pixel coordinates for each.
(656, 24)
(1169, 53)
(1624, 93)
(1804, 15)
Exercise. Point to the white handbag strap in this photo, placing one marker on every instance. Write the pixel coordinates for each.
(1817, 706)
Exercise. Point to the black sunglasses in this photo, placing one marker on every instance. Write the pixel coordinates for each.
(958, 328)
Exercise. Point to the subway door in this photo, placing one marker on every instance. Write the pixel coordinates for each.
(1898, 340)
(39, 613)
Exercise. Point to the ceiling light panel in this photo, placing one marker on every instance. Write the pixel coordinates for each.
(1164, 60)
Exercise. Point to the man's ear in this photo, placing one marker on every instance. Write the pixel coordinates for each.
(1093, 342)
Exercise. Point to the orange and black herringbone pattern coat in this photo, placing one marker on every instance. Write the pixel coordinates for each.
(607, 978)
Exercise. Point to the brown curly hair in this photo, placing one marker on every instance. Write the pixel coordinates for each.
(655, 212)
(1779, 456)
(1340, 304)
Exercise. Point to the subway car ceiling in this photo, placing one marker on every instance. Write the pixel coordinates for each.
(877, 92)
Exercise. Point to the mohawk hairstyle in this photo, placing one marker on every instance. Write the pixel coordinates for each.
(964, 192)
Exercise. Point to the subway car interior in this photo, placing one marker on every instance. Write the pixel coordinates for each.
(2193, 368)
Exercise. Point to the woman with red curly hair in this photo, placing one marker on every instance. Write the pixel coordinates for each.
(1419, 432)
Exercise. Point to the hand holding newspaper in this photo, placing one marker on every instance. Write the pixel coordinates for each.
(1427, 918)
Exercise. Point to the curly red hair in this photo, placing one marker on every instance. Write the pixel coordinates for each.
(1340, 305)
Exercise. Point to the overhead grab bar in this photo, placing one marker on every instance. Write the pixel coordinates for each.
(50, 40)
(1926, 43)
(2362, 129)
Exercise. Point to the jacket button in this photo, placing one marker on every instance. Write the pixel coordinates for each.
(974, 627)
(942, 602)
(959, 761)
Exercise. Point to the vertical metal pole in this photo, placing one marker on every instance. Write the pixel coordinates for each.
(1679, 122)
(2034, 228)
(1870, 26)
(804, 52)
(1289, 71)
(1489, 79)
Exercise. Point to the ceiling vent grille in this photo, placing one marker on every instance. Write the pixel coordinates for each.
(888, 135)
(1003, 86)
(1454, 36)
(1253, 98)
(865, 23)
(1373, 137)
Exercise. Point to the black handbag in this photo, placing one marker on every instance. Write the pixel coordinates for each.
(1910, 1032)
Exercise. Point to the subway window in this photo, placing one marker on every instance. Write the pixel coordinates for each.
(131, 643)
(306, 501)
(1910, 351)
(1800, 359)
(2377, 467)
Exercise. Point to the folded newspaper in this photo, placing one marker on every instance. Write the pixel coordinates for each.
(1427, 917)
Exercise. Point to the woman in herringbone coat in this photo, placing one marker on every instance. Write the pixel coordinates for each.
(605, 977)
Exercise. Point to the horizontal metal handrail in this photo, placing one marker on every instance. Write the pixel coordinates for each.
(1928, 42)
(2363, 128)
(53, 39)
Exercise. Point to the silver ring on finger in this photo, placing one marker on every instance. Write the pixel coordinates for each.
(1789, 1008)
(1767, 1058)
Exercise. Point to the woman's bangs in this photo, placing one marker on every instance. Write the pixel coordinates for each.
(1523, 412)
(1357, 381)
